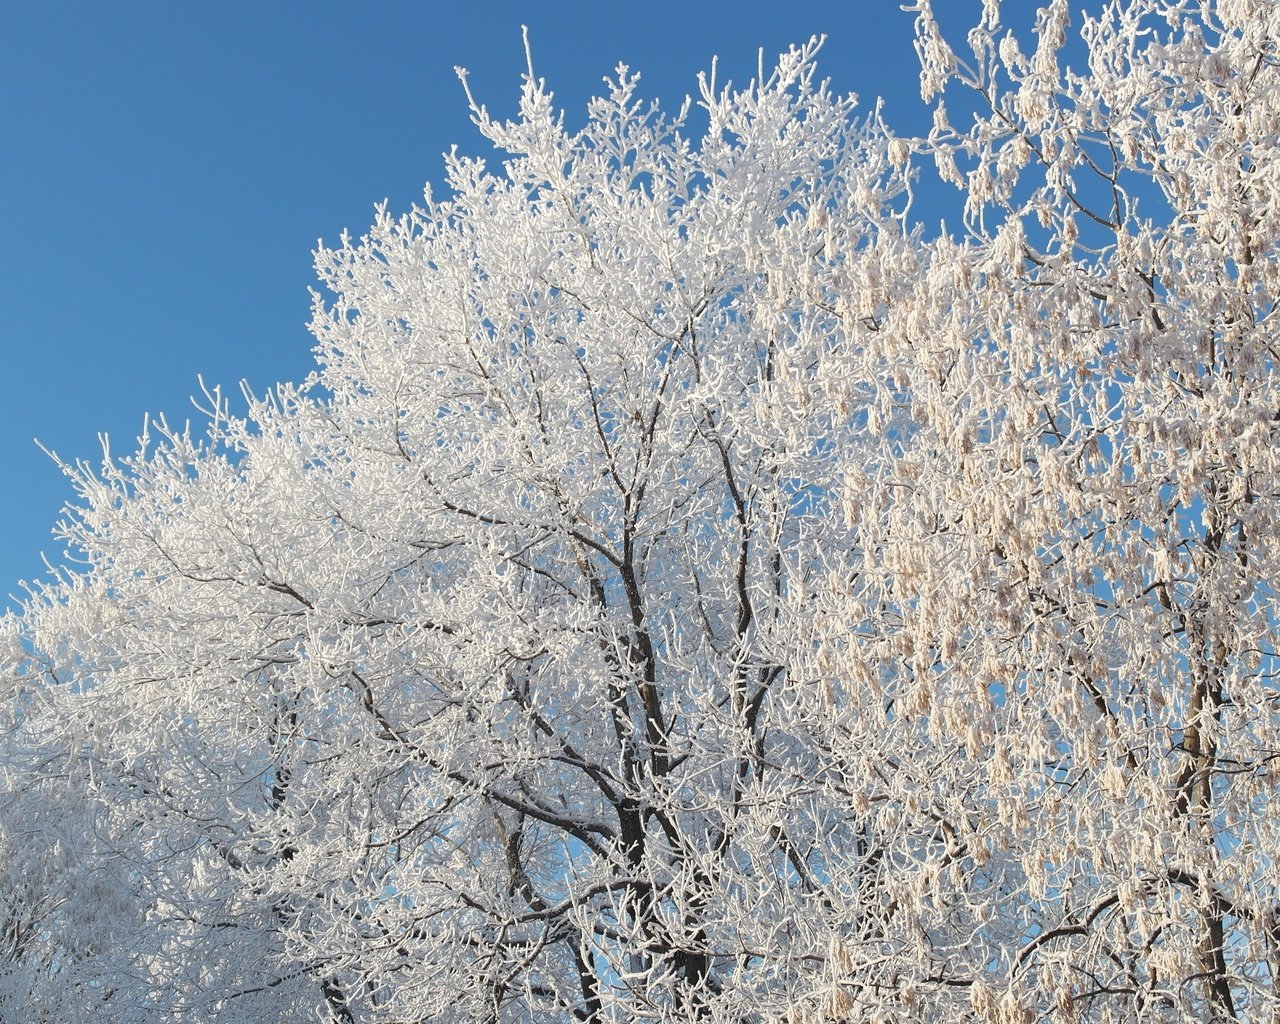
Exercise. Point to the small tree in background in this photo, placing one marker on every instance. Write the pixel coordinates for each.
(686, 590)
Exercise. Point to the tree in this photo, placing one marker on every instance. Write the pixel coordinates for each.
(688, 590)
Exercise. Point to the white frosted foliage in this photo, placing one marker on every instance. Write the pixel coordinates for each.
(687, 590)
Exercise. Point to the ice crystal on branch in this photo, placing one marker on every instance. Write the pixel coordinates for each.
(687, 590)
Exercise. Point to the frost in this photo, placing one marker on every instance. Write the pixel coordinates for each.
(687, 590)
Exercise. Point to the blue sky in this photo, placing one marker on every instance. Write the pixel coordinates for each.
(169, 168)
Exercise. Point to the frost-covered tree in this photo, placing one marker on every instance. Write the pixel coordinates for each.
(687, 590)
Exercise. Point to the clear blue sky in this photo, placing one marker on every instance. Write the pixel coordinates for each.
(168, 168)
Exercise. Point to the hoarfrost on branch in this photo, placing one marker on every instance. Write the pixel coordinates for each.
(688, 590)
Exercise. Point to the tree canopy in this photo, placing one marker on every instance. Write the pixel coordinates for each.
(688, 589)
